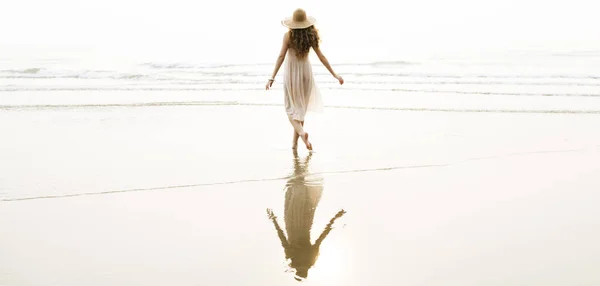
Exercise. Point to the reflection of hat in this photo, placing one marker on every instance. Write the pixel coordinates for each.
(299, 20)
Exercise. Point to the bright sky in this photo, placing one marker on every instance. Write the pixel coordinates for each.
(241, 29)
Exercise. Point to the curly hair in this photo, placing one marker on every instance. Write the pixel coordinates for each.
(302, 40)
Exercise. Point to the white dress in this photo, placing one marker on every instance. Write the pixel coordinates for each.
(299, 87)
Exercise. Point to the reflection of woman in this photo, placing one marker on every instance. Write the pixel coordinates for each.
(301, 199)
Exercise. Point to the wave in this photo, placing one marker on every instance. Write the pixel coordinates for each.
(237, 103)
(41, 73)
(222, 65)
(206, 71)
(260, 88)
(391, 63)
(379, 64)
(185, 66)
(590, 53)
(361, 79)
(23, 71)
(32, 70)
(209, 78)
(282, 178)
(168, 66)
(464, 82)
(79, 76)
(467, 76)
(242, 181)
(495, 93)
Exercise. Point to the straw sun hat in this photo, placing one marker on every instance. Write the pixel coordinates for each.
(299, 20)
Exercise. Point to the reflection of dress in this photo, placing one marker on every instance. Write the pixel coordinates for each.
(300, 90)
(301, 200)
(303, 193)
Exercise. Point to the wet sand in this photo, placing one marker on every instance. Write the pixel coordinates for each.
(178, 195)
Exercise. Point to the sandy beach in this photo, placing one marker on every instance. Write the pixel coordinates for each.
(106, 191)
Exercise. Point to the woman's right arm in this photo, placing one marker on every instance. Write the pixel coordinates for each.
(280, 59)
(325, 62)
(280, 233)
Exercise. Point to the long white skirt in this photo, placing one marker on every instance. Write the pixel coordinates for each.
(299, 87)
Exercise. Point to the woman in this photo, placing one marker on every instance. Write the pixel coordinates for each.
(299, 88)
(302, 196)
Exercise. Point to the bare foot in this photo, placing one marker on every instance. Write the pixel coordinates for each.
(305, 139)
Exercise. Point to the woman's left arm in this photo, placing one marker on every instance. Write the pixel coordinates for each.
(280, 59)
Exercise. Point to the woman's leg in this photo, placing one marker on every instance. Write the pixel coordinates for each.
(296, 136)
(298, 127)
(295, 140)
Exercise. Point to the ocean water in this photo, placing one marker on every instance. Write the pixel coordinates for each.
(527, 74)
(550, 82)
(528, 81)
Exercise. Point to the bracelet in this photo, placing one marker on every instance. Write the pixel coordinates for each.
(271, 79)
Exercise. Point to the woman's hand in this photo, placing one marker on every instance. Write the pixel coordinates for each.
(271, 214)
(340, 79)
(269, 84)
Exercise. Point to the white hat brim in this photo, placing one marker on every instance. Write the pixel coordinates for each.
(290, 23)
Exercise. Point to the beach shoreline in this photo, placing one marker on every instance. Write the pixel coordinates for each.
(120, 188)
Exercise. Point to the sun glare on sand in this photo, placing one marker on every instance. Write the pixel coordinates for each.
(331, 264)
